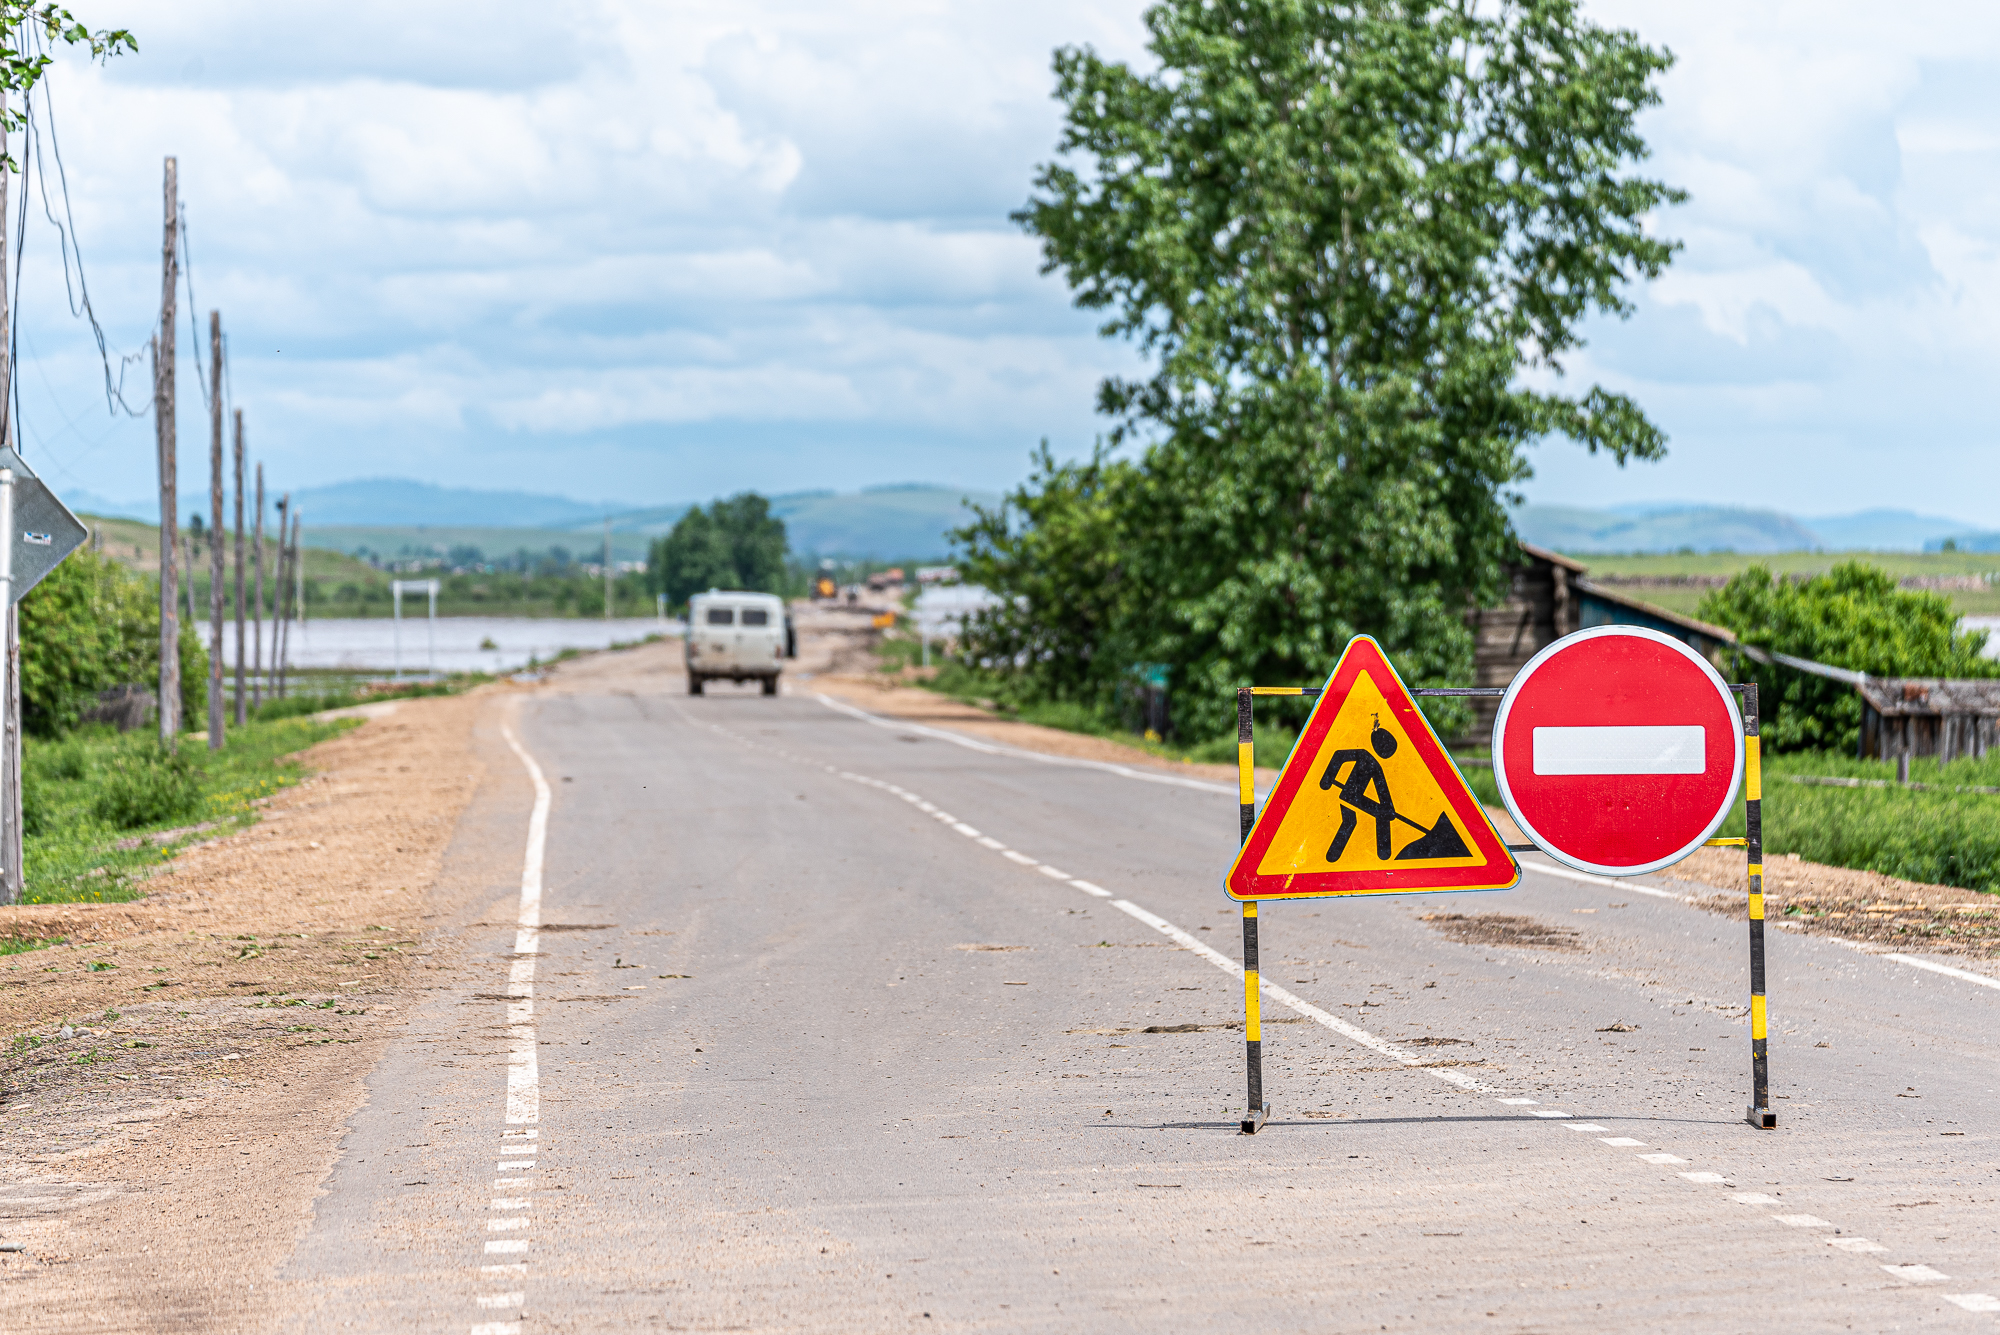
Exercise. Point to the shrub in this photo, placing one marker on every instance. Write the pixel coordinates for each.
(93, 624)
(1854, 616)
(147, 786)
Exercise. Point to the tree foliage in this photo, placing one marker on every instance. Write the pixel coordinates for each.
(28, 34)
(734, 544)
(90, 625)
(1855, 617)
(1356, 241)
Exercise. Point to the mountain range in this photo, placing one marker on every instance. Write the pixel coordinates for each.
(910, 522)
(1670, 526)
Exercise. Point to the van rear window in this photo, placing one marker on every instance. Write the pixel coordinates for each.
(756, 616)
(721, 616)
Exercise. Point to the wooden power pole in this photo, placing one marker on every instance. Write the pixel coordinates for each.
(257, 606)
(239, 569)
(279, 610)
(218, 530)
(163, 427)
(607, 568)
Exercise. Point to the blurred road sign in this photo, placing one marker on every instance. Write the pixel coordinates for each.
(44, 529)
(1369, 803)
(1618, 750)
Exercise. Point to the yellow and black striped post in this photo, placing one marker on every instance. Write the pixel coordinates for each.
(1253, 1033)
(1760, 1114)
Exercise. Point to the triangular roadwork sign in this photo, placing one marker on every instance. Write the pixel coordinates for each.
(1369, 803)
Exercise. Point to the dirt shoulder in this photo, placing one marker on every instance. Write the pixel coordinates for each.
(174, 1081)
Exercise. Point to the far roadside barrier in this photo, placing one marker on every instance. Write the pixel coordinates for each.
(1618, 711)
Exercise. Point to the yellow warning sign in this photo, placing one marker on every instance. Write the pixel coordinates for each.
(1369, 802)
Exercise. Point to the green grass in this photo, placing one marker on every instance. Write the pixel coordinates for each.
(86, 794)
(21, 945)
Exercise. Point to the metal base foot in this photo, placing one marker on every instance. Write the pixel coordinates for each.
(1761, 1118)
(1255, 1120)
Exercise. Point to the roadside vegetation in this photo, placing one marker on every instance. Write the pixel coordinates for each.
(1339, 237)
(101, 809)
(1854, 616)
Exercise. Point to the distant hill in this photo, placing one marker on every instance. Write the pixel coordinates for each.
(885, 523)
(1672, 526)
(1966, 542)
(1702, 528)
(903, 522)
(1884, 530)
(386, 501)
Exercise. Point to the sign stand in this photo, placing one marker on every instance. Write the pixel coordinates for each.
(1759, 1113)
(1256, 1110)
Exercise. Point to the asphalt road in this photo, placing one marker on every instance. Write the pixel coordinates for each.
(807, 1056)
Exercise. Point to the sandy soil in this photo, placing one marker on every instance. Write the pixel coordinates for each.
(174, 1081)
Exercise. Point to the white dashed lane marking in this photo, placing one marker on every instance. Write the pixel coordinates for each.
(1912, 1273)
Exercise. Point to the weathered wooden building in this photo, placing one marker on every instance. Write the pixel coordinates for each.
(1928, 716)
(1551, 597)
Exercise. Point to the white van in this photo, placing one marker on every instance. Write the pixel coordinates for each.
(741, 636)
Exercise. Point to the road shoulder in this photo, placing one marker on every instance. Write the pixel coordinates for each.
(162, 1159)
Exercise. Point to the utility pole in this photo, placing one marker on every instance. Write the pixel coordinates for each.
(239, 569)
(607, 568)
(217, 528)
(11, 878)
(257, 607)
(278, 616)
(298, 576)
(163, 428)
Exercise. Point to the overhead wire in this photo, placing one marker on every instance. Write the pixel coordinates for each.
(79, 294)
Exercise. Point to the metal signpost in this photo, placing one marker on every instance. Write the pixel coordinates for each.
(396, 590)
(36, 532)
(1615, 750)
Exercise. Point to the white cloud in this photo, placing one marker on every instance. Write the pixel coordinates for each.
(697, 247)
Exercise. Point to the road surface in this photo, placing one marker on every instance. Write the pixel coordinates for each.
(828, 1024)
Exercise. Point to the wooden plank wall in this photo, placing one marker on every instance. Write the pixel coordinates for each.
(1540, 609)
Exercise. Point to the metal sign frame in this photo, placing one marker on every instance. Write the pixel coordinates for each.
(1759, 1113)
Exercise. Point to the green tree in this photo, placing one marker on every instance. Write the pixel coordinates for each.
(90, 625)
(734, 544)
(1855, 617)
(1054, 546)
(1356, 241)
(23, 62)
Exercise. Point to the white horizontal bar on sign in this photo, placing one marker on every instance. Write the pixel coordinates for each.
(1677, 749)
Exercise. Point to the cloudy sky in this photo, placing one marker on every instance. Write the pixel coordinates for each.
(650, 252)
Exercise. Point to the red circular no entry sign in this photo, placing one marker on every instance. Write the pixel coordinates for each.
(1618, 750)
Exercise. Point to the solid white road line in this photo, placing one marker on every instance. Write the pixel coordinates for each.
(1945, 969)
(524, 1097)
(1974, 1302)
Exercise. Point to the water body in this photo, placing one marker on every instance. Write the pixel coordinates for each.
(1991, 625)
(451, 644)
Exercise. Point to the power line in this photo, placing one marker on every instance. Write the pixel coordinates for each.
(79, 295)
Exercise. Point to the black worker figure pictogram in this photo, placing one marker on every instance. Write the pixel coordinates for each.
(1441, 840)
